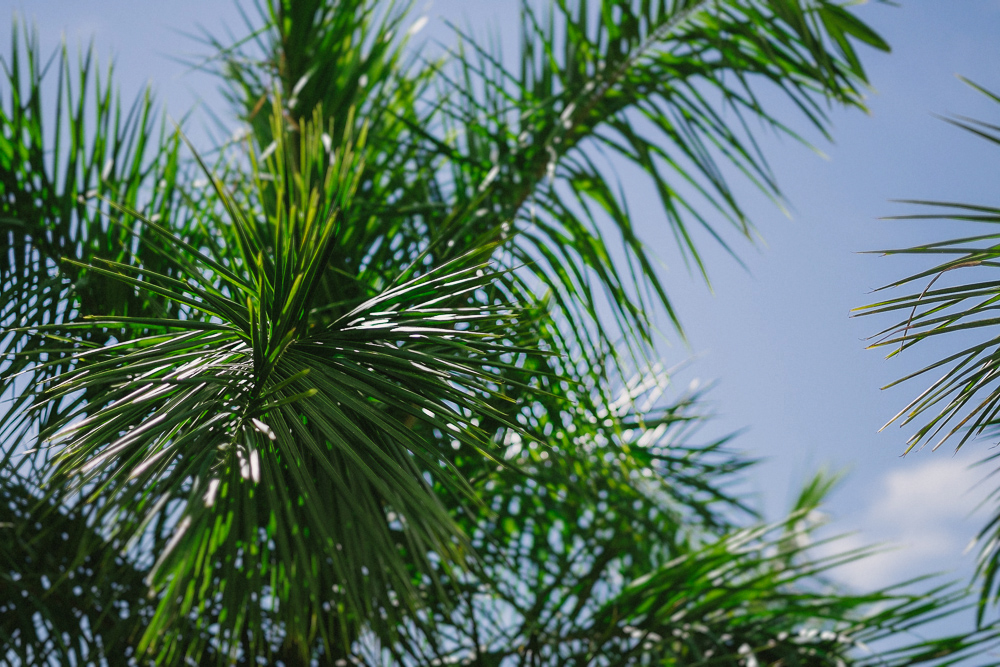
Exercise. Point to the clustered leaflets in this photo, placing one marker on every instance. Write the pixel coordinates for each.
(348, 394)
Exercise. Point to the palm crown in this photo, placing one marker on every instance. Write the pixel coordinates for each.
(380, 391)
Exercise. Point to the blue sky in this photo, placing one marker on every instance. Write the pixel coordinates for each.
(790, 365)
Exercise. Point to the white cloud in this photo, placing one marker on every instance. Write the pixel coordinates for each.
(926, 512)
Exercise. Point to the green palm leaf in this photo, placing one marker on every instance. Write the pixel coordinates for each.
(273, 446)
(957, 299)
(507, 153)
(637, 83)
(93, 147)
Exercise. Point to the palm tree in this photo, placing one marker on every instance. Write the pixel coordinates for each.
(368, 384)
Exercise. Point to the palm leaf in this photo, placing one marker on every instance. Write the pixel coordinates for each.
(633, 80)
(273, 446)
(49, 175)
(957, 299)
(508, 153)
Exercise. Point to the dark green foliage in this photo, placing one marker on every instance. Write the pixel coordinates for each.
(380, 391)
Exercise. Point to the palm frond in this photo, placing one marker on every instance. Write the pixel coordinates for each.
(756, 595)
(509, 153)
(273, 446)
(648, 84)
(965, 396)
(51, 170)
(957, 299)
